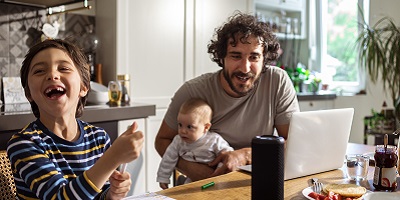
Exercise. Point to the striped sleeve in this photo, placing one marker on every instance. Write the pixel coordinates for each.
(46, 167)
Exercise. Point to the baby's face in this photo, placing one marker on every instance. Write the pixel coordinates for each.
(191, 127)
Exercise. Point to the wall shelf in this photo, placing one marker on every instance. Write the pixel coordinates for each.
(283, 13)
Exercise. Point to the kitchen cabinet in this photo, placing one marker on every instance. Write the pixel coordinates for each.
(103, 116)
(144, 169)
(154, 159)
(136, 167)
(160, 44)
(316, 105)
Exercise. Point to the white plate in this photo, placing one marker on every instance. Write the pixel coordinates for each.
(306, 192)
(382, 196)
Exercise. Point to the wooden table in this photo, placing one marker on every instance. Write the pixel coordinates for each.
(237, 185)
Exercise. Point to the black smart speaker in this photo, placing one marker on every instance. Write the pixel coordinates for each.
(267, 174)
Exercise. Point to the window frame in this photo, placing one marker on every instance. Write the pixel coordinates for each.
(318, 45)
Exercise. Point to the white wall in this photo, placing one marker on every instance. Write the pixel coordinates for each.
(375, 95)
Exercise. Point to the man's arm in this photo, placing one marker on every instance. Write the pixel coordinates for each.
(195, 171)
(164, 137)
(283, 130)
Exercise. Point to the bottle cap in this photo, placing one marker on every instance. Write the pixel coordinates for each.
(123, 77)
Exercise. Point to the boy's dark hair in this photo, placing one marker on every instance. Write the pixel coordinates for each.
(243, 25)
(76, 56)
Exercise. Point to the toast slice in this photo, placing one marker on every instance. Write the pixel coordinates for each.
(345, 190)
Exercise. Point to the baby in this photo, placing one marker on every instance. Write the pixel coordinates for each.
(194, 141)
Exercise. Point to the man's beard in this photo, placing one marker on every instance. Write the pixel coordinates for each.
(239, 92)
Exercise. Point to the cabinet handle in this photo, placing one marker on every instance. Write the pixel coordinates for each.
(311, 104)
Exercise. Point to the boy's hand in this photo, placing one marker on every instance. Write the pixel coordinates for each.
(120, 184)
(127, 146)
(164, 186)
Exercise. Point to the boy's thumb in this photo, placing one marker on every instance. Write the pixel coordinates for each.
(134, 126)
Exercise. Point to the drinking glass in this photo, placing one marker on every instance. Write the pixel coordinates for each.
(356, 166)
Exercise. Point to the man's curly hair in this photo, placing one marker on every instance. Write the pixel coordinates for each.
(244, 25)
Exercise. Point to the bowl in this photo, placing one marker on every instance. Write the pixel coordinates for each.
(98, 94)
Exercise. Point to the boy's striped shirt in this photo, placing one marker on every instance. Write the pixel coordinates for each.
(48, 167)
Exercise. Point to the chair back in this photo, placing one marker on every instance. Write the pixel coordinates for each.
(7, 185)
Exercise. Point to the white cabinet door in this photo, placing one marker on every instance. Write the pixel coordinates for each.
(144, 169)
(153, 159)
(209, 15)
(136, 168)
(151, 48)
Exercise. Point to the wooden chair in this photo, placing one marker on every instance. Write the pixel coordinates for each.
(178, 178)
(7, 185)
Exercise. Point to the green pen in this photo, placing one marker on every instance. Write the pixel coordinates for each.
(207, 185)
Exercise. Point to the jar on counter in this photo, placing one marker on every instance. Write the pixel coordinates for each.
(124, 82)
(385, 168)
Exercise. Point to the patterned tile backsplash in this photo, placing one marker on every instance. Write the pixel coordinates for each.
(20, 28)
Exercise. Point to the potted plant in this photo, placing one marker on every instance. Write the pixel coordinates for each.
(379, 53)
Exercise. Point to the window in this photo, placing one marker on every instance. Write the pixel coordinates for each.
(334, 28)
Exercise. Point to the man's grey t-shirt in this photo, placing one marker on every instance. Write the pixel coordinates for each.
(239, 120)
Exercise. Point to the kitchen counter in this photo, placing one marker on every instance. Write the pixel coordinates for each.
(322, 95)
(14, 117)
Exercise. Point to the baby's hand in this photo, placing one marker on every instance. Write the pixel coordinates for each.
(127, 146)
(164, 186)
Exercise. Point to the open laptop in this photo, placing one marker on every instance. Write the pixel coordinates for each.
(317, 141)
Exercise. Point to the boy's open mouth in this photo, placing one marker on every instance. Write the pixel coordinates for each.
(54, 92)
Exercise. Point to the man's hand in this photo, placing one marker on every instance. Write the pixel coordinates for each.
(231, 160)
(120, 184)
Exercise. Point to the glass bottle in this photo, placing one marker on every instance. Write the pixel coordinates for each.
(114, 93)
(124, 82)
